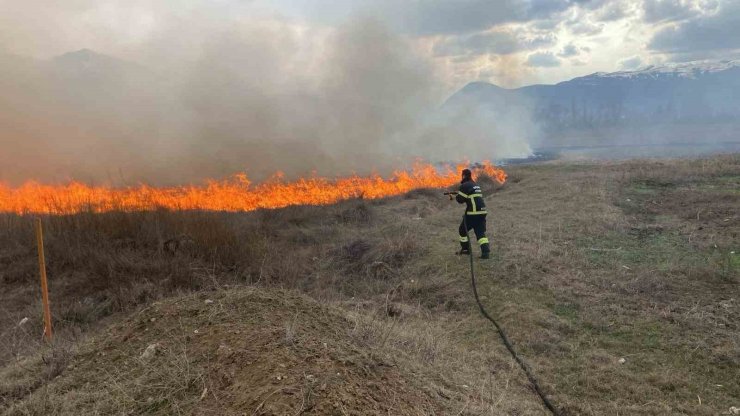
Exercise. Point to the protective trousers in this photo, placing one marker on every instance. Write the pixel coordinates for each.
(478, 224)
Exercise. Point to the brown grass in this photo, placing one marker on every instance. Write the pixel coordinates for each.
(592, 263)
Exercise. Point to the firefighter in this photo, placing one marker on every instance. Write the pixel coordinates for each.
(475, 215)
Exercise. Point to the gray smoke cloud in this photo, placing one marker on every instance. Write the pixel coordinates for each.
(202, 98)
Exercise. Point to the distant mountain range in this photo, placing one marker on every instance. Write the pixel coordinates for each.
(685, 92)
(695, 102)
(676, 93)
(702, 91)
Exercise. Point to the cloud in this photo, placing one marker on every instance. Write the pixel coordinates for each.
(499, 42)
(543, 60)
(569, 50)
(546, 24)
(613, 11)
(672, 10)
(540, 40)
(700, 55)
(544, 9)
(586, 28)
(631, 63)
(719, 30)
(434, 17)
(606, 10)
(449, 17)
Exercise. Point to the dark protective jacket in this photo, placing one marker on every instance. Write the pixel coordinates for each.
(471, 195)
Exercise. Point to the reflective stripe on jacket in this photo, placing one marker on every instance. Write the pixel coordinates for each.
(471, 195)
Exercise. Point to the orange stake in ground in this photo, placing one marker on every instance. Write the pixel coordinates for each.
(44, 284)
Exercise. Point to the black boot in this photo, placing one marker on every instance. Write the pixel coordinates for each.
(464, 249)
(485, 251)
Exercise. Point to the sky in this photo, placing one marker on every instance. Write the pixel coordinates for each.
(506, 42)
(206, 88)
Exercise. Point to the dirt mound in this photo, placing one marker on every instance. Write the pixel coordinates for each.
(247, 351)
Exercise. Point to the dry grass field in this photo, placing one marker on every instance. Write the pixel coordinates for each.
(618, 282)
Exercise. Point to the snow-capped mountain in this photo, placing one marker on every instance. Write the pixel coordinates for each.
(689, 70)
(683, 92)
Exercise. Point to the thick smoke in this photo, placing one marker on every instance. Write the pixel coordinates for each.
(204, 99)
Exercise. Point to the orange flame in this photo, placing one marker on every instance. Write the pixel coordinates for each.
(235, 194)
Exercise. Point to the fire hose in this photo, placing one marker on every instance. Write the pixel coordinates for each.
(527, 370)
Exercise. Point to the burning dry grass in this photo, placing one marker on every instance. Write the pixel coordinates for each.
(233, 195)
(592, 263)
